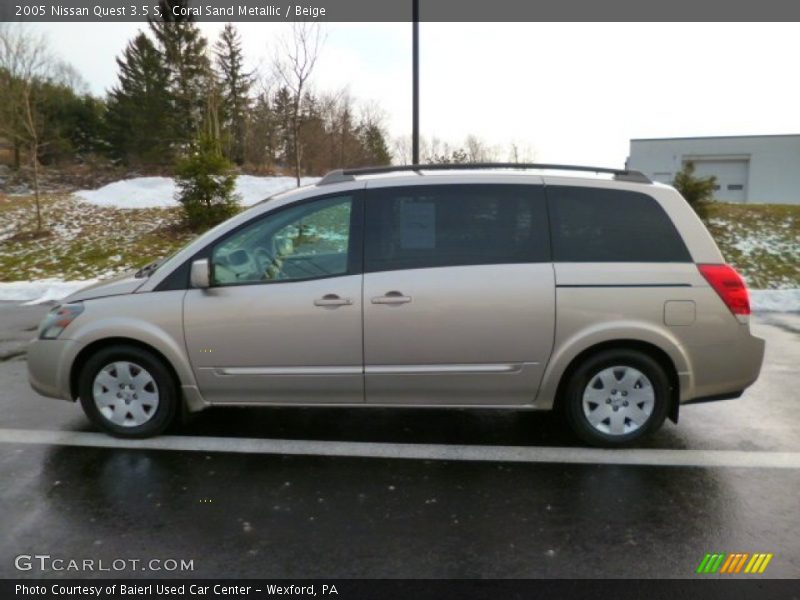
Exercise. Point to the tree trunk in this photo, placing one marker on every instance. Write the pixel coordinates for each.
(34, 154)
(296, 132)
(34, 150)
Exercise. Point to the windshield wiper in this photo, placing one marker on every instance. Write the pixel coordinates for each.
(147, 270)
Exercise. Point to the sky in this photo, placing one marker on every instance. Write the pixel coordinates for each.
(563, 92)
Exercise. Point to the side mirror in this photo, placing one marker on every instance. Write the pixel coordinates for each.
(200, 276)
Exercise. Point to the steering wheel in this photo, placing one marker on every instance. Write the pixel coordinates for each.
(267, 262)
(263, 258)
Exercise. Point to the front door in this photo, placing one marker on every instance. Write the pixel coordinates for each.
(282, 320)
(459, 297)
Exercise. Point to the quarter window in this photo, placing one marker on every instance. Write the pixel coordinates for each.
(607, 225)
(306, 241)
(419, 227)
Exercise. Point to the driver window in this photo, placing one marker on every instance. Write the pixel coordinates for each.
(306, 241)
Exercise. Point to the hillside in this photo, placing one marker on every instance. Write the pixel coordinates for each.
(761, 240)
(95, 233)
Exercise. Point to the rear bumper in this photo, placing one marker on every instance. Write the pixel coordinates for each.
(49, 365)
(726, 396)
(724, 371)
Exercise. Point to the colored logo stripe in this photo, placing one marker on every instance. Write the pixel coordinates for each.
(703, 563)
(727, 564)
(710, 563)
(758, 563)
(719, 562)
(734, 563)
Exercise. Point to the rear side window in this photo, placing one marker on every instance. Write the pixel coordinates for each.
(418, 227)
(606, 225)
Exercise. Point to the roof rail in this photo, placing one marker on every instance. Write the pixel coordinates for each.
(341, 175)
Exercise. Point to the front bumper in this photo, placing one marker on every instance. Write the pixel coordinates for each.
(49, 366)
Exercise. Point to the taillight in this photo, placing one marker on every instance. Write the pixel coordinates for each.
(729, 285)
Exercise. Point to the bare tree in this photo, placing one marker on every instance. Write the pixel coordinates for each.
(401, 149)
(372, 113)
(65, 74)
(521, 153)
(479, 151)
(294, 64)
(25, 61)
(434, 150)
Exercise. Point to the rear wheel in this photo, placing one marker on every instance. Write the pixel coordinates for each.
(617, 396)
(128, 392)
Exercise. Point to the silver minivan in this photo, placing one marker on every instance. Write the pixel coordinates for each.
(592, 291)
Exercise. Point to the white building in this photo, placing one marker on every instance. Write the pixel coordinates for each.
(748, 168)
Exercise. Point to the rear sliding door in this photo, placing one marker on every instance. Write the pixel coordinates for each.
(458, 294)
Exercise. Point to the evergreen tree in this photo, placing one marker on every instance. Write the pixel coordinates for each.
(138, 118)
(73, 122)
(375, 148)
(261, 141)
(346, 136)
(314, 159)
(282, 107)
(184, 54)
(697, 191)
(204, 178)
(235, 85)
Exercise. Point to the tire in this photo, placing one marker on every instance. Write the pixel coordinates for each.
(616, 397)
(128, 392)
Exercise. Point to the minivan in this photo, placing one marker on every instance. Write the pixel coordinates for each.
(592, 291)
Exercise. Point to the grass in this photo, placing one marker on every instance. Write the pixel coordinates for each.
(761, 240)
(84, 241)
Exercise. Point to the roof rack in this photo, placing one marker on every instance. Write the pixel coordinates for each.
(341, 175)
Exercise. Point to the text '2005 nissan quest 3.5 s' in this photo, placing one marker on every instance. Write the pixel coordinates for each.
(485, 286)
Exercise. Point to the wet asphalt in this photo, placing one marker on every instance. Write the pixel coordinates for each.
(257, 515)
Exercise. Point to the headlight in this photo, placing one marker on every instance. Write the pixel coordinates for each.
(58, 319)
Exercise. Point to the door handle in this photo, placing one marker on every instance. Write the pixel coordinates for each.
(393, 297)
(332, 300)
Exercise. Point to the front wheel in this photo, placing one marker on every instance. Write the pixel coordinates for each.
(617, 396)
(128, 392)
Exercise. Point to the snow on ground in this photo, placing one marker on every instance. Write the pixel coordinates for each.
(45, 290)
(775, 300)
(159, 192)
(36, 292)
(255, 189)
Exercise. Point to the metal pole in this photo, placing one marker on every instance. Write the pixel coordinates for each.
(415, 85)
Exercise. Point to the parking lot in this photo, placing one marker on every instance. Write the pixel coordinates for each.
(296, 492)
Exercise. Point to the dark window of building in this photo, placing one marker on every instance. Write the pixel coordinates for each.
(607, 225)
(418, 227)
(735, 187)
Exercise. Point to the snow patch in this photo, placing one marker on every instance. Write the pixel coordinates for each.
(764, 242)
(139, 192)
(252, 189)
(775, 300)
(36, 292)
(159, 192)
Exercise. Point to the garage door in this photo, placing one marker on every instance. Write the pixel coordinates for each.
(731, 177)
